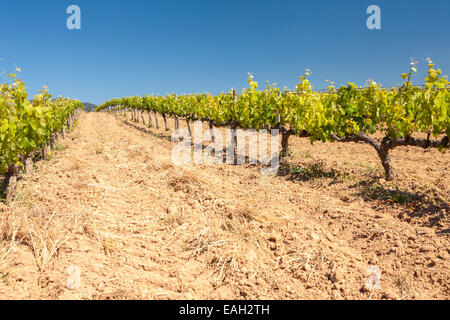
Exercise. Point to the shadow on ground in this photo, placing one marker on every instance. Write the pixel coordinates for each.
(432, 209)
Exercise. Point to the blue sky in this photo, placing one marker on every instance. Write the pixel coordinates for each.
(141, 47)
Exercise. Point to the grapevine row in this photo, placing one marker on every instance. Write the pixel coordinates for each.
(344, 114)
(28, 126)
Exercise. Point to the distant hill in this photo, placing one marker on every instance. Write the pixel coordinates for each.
(89, 107)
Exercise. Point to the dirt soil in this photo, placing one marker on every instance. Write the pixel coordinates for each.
(111, 202)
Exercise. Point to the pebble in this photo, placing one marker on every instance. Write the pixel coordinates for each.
(272, 239)
(365, 288)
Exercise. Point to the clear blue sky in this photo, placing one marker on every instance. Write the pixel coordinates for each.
(141, 47)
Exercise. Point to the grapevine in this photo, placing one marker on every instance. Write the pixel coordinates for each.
(27, 126)
(345, 114)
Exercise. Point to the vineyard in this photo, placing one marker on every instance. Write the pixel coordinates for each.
(98, 192)
(346, 114)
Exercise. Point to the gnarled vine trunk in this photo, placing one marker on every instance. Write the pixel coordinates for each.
(285, 143)
(383, 153)
(150, 122)
(188, 122)
(52, 142)
(29, 164)
(45, 151)
(165, 122)
(156, 120)
(211, 130)
(11, 181)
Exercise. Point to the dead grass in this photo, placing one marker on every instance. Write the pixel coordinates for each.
(9, 237)
(157, 164)
(226, 264)
(44, 232)
(311, 261)
(202, 243)
(182, 180)
(248, 214)
(47, 232)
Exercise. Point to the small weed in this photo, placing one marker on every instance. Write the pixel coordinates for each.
(37, 156)
(394, 196)
(399, 197)
(314, 171)
(59, 147)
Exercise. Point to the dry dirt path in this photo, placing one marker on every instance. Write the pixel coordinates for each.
(112, 203)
